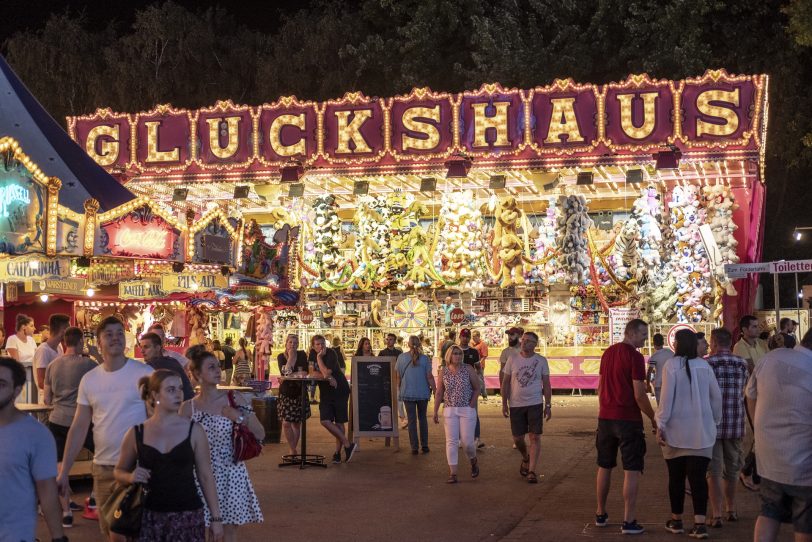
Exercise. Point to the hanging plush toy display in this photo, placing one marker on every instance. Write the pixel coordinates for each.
(322, 248)
(264, 344)
(543, 247)
(510, 257)
(372, 242)
(691, 267)
(572, 229)
(459, 250)
(720, 204)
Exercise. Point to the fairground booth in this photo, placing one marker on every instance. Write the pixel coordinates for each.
(566, 209)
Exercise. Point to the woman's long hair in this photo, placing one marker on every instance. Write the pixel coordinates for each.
(360, 350)
(686, 347)
(417, 351)
(243, 344)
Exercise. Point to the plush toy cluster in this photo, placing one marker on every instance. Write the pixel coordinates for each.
(572, 228)
(690, 261)
(543, 248)
(720, 203)
(264, 343)
(322, 252)
(459, 250)
(372, 242)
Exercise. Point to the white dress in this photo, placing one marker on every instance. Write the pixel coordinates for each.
(238, 502)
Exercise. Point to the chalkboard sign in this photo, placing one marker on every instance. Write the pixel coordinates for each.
(374, 397)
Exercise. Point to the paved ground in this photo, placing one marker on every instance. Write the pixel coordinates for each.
(395, 496)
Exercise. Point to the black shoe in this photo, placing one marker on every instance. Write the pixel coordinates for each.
(632, 527)
(337, 458)
(67, 521)
(425, 449)
(674, 526)
(349, 451)
(699, 531)
(601, 520)
(414, 452)
(75, 507)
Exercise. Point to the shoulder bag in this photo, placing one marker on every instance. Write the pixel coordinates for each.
(123, 509)
(246, 445)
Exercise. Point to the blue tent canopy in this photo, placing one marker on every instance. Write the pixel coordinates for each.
(51, 148)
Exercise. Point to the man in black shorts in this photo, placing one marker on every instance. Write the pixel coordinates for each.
(622, 396)
(61, 384)
(334, 392)
(526, 379)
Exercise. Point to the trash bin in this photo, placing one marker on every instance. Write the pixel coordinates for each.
(267, 414)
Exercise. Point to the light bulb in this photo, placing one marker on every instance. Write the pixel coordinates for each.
(801, 294)
(798, 235)
(91, 292)
(44, 298)
(33, 264)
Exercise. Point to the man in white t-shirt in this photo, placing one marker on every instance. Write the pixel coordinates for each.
(109, 397)
(49, 350)
(527, 378)
(159, 330)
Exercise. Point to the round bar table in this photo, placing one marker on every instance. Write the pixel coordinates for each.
(303, 459)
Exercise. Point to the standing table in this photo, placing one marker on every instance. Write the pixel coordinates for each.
(303, 459)
(40, 412)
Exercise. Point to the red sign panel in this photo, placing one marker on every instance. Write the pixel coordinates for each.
(139, 236)
(306, 316)
(457, 316)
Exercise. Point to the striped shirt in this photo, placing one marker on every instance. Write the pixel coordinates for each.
(731, 374)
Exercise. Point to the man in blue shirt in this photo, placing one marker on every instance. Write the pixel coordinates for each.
(27, 464)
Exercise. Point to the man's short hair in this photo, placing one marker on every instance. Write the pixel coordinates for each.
(532, 334)
(57, 322)
(229, 340)
(452, 334)
(722, 337)
(783, 322)
(16, 368)
(73, 336)
(154, 338)
(107, 322)
(392, 335)
(806, 342)
(156, 326)
(658, 339)
(746, 320)
(635, 325)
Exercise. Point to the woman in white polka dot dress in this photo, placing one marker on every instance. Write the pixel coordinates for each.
(211, 409)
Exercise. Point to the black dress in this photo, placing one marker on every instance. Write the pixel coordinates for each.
(290, 393)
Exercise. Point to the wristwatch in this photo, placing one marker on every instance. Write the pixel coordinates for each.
(240, 419)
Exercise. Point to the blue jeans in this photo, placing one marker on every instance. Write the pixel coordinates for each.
(476, 430)
(416, 412)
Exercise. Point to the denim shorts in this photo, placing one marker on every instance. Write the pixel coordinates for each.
(787, 504)
(625, 435)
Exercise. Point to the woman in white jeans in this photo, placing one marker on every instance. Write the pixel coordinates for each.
(458, 389)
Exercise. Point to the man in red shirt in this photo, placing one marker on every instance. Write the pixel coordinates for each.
(622, 396)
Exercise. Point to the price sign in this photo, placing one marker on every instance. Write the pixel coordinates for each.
(672, 333)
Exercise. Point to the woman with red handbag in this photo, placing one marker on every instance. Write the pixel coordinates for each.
(227, 419)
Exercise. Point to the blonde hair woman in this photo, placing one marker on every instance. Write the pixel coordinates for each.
(415, 386)
(458, 388)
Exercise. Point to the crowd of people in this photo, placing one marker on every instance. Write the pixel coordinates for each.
(717, 404)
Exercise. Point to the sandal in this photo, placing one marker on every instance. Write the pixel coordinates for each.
(524, 468)
(715, 522)
(732, 516)
(531, 478)
(452, 479)
(474, 468)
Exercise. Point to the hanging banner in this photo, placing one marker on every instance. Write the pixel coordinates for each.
(68, 286)
(192, 282)
(140, 234)
(110, 272)
(140, 289)
(618, 318)
(22, 269)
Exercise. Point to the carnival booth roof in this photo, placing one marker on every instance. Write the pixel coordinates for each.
(48, 145)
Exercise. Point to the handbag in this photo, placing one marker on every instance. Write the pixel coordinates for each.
(246, 445)
(123, 509)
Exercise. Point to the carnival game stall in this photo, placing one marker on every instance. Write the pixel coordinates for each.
(567, 208)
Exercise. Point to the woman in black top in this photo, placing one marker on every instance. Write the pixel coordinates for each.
(364, 348)
(291, 410)
(335, 393)
(153, 454)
